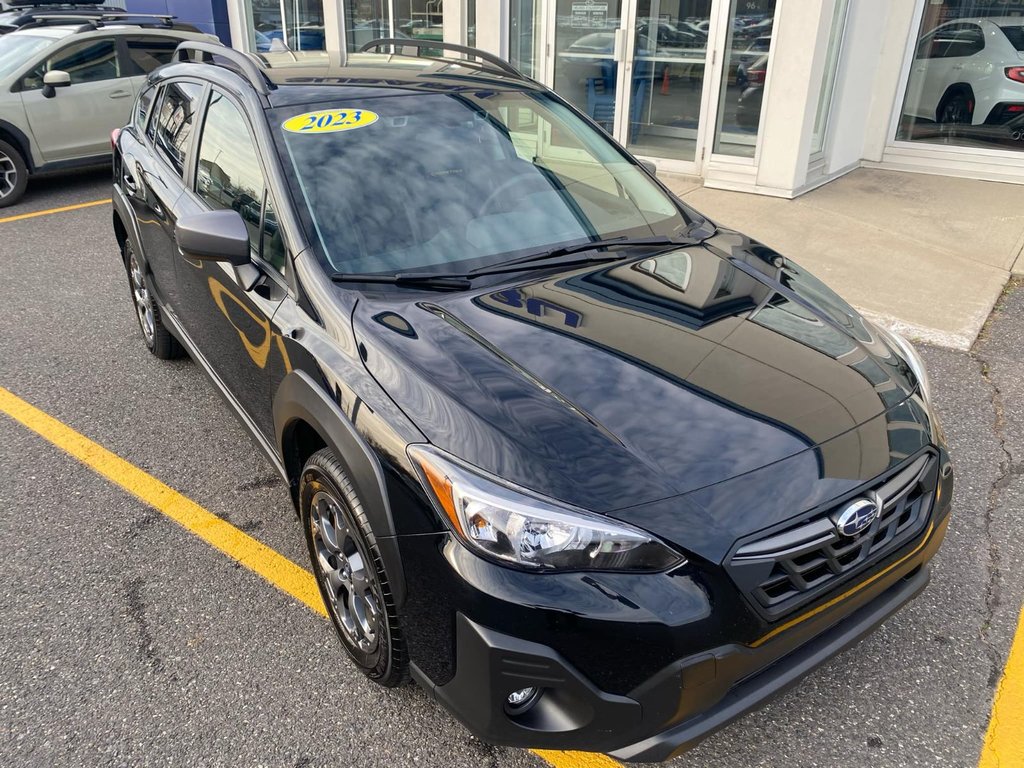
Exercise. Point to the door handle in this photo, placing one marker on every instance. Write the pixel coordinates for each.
(129, 183)
(120, 94)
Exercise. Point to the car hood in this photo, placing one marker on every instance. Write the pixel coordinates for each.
(616, 385)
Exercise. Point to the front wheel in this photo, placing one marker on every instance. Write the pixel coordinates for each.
(13, 175)
(349, 571)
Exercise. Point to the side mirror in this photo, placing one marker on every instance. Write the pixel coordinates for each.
(214, 236)
(649, 166)
(54, 79)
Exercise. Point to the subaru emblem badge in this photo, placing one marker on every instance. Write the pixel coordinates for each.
(856, 517)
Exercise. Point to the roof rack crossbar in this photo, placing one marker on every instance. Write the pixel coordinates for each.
(243, 63)
(484, 56)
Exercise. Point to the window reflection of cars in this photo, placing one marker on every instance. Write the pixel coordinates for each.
(751, 78)
(671, 36)
(969, 71)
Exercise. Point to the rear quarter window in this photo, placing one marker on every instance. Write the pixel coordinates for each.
(1015, 35)
(142, 108)
(147, 52)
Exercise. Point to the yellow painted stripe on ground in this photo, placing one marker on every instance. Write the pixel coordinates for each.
(64, 209)
(254, 555)
(561, 759)
(1004, 741)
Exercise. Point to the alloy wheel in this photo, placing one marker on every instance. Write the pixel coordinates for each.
(143, 299)
(346, 573)
(8, 175)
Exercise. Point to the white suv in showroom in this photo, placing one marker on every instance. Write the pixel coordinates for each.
(969, 71)
(65, 85)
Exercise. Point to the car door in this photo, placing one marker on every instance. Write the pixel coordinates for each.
(76, 121)
(231, 321)
(155, 181)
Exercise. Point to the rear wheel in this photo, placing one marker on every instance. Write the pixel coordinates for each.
(956, 109)
(159, 340)
(13, 175)
(350, 572)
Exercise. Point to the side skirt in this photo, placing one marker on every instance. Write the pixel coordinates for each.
(254, 431)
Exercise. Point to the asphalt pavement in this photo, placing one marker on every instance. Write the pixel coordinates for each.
(128, 641)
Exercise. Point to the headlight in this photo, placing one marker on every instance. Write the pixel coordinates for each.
(913, 359)
(528, 531)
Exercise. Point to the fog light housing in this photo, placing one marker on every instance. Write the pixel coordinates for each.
(522, 700)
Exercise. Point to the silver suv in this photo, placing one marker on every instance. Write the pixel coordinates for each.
(66, 85)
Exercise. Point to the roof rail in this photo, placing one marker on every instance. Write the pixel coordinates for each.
(244, 64)
(95, 21)
(483, 56)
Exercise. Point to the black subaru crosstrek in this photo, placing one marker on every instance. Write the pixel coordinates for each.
(595, 472)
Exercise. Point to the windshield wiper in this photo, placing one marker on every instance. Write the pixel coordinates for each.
(568, 250)
(434, 280)
(442, 281)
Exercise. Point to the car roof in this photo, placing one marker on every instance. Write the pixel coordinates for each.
(58, 31)
(52, 32)
(302, 77)
(1001, 21)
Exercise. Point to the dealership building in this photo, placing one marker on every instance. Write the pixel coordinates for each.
(769, 96)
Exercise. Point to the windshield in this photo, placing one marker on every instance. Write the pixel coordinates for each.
(405, 182)
(15, 50)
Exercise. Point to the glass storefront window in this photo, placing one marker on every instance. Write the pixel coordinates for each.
(748, 46)
(966, 84)
(420, 19)
(296, 25)
(366, 20)
(523, 30)
(835, 43)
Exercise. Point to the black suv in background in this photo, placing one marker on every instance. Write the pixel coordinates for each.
(596, 473)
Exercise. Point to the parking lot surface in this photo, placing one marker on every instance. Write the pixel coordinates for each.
(129, 640)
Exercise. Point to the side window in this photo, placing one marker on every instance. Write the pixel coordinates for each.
(175, 121)
(146, 53)
(88, 61)
(142, 108)
(229, 174)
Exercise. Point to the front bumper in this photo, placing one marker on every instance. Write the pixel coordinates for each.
(618, 676)
(674, 709)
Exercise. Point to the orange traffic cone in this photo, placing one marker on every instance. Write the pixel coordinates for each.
(664, 83)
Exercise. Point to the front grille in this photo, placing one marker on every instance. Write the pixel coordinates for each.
(788, 569)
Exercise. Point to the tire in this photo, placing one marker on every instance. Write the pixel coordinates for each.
(158, 339)
(957, 108)
(13, 175)
(350, 572)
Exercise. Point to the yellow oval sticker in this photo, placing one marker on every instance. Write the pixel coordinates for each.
(330, 121)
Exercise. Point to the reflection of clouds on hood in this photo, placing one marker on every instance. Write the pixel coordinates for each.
(686, 435)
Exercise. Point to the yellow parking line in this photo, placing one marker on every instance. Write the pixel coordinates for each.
(63, 209)
(257, 557)
(278, 570)
(1004, 741)
(561, 759)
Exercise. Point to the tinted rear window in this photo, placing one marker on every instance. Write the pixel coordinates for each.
(1015, 35)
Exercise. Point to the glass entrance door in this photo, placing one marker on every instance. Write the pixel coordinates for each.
(637, 67)
(666, 96)
(589, 42)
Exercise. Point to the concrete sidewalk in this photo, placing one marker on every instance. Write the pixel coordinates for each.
(924, 255)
